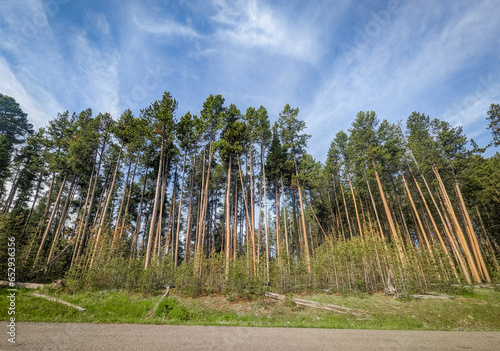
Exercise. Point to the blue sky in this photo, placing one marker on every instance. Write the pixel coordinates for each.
(331, 59)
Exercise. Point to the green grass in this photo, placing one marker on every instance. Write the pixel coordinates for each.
(471, 310)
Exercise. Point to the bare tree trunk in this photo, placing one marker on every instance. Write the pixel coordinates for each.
(265, 209)
(417, 217)
(156, 246)
(278, 221)
(235, 229)
(487, 241)
(125, 214)
(49, 224)
(345, 207)
(205, 200)
(285, 220)
(472, 236)
(179, 213)
(228, 218)
(356, 209)
(105, 208)
(375, 209)
(306, 241)
(155, 209)
(62, 221)
(37, 191)
(338, 208)
(389, 217)
(122, 202)
(82, 218)
(187, 253)
(12, 192)
(250, 224)
(456, 225)
(252, 216)
(169, 240)
(434, 225)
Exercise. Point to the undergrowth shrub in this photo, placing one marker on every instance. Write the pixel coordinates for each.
(171, 308)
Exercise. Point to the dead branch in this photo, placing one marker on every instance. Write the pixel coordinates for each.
(50, 298)
(322, 306)
(435, 297)
(23, 285)
(152, 313)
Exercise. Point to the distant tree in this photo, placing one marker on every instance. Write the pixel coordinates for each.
(14, 129)
(494, 125)
(14, 123)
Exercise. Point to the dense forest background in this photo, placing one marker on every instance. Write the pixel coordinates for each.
(226, 201)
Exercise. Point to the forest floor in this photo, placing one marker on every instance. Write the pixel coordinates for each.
(470, 309)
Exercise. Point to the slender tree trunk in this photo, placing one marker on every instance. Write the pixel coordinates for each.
(458, 229)
(472, 236)
(62, 221)
(49, 224)
(487, 241)
(235, 229)
(338, 208)
(278, 221)
(374, 208)
(157, 241)
(205, 199)
(434, 225)
(389, 216)
(127, 204)
(228, 218)
(265, 210)
(345, 207)
(155, 210)
(46, 210)
(82, 218)
(138, 222)
(177, 232)
(247, 212)
(306, 241)
(285, 220)
(252, 216)
(417, 217)
(12, 192)
(88, 209)
(187, 253)
(356, 209)
(37, 191)
(122, 202)
(169, 241)
(106, 205)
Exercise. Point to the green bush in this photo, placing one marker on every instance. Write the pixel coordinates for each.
(171, 308)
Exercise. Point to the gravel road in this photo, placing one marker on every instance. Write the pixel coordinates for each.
(122, 337)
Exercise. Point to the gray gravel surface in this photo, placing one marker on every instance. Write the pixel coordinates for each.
(121, 337)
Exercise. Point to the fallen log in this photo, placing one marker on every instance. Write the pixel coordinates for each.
(153, 312)
(435, 297)
(23, 285)
(319, 305)
(50, 298)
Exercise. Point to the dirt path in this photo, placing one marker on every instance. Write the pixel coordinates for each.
(118, 337)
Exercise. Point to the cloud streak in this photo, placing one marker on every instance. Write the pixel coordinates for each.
(424, 57)
(411, 63)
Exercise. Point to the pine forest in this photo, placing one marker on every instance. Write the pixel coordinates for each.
(226, 200)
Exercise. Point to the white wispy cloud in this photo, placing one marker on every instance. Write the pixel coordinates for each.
(163, 26)
(408, 66)
(97, 71)
(27, 45)
(40, 106)
(49, 74)
(255, 24)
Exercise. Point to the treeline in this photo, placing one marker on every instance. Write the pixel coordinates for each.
(226, 199)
